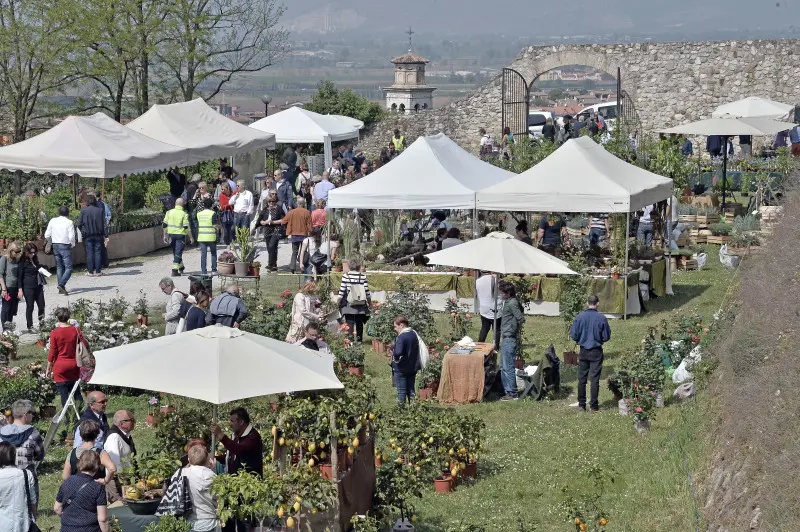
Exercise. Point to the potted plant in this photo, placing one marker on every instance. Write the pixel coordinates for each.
(431, 374)
(573, 300)
(255, 268)
(140, 308)
(719, 233)
(615, 272)
(350, 356)
(641, 404)
(169, 523)
(244, 250)
(166, 407)
(151, 417)
(246, 496)
(225, 263)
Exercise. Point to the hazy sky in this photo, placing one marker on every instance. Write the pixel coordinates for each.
(548, 17)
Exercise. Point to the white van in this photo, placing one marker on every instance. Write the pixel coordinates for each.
(608, 110)
(536, 120)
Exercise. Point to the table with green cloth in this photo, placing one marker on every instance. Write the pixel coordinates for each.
(423, 281)
(129, 521)
(463, 377)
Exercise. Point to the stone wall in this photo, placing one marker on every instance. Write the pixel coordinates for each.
(669, 84)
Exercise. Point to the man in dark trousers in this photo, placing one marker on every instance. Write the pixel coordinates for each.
(245, 450)
(590, 331)
(405, 360)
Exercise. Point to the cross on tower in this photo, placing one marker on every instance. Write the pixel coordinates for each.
(410, 33)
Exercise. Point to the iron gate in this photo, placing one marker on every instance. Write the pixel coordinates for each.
(627, 119)
(515, 102)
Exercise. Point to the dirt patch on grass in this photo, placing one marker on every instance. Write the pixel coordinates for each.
(752, 482)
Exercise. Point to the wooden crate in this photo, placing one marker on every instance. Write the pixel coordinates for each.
(707, 219)
(687, 218)
(717, 239)
(688, 265)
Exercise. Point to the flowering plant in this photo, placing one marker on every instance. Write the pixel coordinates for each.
(106, 333)
(9, 343)
(432, 372)
(26, 382)
(459, 318)
(226, 257)
(140, 307)
(348, 352)
(270, 320)
(642, 402)
(153, 401)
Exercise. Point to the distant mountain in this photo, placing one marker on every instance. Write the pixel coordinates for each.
(520, 18)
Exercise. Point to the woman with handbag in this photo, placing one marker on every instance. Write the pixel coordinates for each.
(17, 493)
(81, 502)
(32, 284)
(62, 362)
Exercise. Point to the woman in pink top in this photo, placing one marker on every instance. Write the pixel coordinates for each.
(318, 215)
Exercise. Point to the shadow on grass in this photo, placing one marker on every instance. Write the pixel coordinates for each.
(684, 293)
(120, 265)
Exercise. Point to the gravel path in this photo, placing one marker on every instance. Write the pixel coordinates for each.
(128, 277)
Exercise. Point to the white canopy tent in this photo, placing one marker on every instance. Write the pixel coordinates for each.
(91, 146)
(296, 125)
(754, 106)
(196, 126)
(354, 122)
(434, 172)
(580, 176)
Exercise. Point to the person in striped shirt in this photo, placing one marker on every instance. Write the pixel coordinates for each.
(598, 229)
(354, 309)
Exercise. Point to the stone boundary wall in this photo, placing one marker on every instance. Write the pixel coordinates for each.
(669, 84)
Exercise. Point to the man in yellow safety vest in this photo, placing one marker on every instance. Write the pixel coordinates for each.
(176, 231)
(207, 224)
(398, 141)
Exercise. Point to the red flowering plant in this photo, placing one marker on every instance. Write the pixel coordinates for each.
(348, 352)
(268, 318)
(432, 372)
(642, 402)
(681, 336)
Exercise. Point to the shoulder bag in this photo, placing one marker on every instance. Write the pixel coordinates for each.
(32, 526)
(177, 499)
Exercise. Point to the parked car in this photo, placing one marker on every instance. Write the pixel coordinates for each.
(537, 119)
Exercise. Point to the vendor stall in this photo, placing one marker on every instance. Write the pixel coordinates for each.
(464, 374)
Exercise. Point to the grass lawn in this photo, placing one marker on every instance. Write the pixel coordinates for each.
(534, 451)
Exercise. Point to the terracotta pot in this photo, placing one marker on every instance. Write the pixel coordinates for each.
(225, 268)
(257, 271)
(151, 420)
(355, 370)
(443, 485)
(471, 471)
(41, 343)
(273, 407)
(326, 470)
(47, 412)
(425, 394)
(570, 358)
(377, 345)
(167, 410)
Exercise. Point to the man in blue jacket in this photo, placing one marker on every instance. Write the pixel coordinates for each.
(405, 360)
(590, 331)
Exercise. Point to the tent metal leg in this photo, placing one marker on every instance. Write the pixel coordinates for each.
(625, 268)
(213, 437)
(475, 303)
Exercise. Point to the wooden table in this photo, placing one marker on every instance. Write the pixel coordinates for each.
(464, 375)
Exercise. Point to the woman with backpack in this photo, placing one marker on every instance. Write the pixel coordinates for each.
(354, 298)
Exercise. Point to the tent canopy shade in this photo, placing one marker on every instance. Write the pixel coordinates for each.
(730, 125)
(300, 126)
(207, 133)
(580, 176)
(215, 364)
(754, 106)
(91, 146)
(353, 122)
(434, 172)
(500, 253)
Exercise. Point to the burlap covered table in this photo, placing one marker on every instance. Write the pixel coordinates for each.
(463, 375)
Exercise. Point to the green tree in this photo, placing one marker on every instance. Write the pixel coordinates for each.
(555, 94)
(207, 42)
(330, 100)
(36, 42)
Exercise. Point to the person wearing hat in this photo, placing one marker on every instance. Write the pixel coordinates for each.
(590, 331)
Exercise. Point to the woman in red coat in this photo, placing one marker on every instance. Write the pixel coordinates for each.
(61, 363)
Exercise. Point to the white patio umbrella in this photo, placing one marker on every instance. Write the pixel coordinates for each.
(754, 106)
(728, 126)
(215, 364)
(500, 253)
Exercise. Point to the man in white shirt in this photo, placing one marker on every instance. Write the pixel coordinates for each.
(120, 448)
(489, 307)
(61, 232)
(322, 188)
(243, 205)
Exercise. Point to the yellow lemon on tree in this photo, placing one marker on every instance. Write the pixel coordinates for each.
(350, 450)
(322, 455)
(355, 443)
(454, 472)
(274, 430)
(603, 521)
(583, 527)
(430, 440)
(281, 441)
(290, 522)
(423, 446)
(296, 507)
(312, 447)
(314, 511)
(413, 518)
(280, 512)
(451, 452)
(372, 416)
(298, 498)
(322, 445)
(310, 462)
